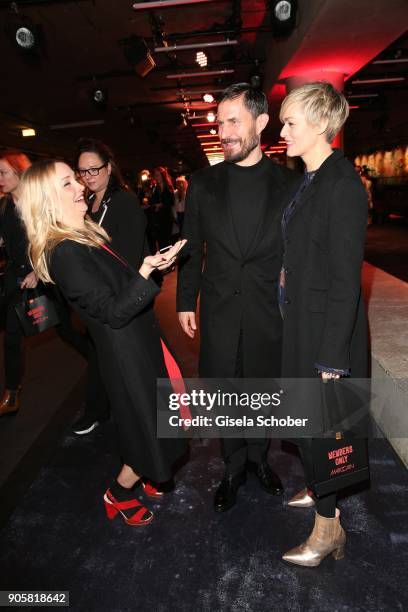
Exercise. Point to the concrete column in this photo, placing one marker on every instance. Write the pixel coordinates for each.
(335, 78)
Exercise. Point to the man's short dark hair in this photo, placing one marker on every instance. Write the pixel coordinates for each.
(254, 100)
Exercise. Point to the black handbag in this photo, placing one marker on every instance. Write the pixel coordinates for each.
(36, 312)
(339, 458)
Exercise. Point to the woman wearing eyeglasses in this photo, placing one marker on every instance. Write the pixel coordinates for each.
(18, 274)
(110, 204)
(114, 208)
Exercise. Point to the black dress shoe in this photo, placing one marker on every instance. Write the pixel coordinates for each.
(269, 481)
(226, 494)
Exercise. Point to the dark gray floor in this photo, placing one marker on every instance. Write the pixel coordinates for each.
(190, 558)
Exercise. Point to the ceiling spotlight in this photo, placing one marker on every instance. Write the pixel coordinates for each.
(25, 38)
(283, 16)
(23, 32)
(99, 97)
(282, 10)
(208, 98)
(211, 117)
(256, 78)
(213, 131)
(138, 54)
(201, 59)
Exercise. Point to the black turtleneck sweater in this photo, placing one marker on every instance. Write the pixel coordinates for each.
(247, 191)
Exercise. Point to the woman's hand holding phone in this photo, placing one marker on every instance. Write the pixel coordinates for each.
(161, 260)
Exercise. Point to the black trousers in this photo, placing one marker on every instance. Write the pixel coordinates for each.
(96, 400)
(236, 452)
(65, 329)
(325, 506)
(13, 334)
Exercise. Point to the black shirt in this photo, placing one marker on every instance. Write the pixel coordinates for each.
(247, 192)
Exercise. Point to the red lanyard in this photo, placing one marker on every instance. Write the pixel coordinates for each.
(118, 257)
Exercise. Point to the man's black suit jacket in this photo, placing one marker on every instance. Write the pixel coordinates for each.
(236, 292)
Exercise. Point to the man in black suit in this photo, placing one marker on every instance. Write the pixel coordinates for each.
(233, 221)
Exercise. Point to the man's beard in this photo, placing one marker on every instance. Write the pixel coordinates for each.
(247, 146)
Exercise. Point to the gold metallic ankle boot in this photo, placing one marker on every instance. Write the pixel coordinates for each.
(328, 536)
(303, 499)
(10, 401)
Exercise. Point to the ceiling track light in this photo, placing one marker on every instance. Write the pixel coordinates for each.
(208, 45)
(375, 81)
(199, 92)
(392, 61)
(196, 125)
(160, 4)
(204, 73)
(372, 95)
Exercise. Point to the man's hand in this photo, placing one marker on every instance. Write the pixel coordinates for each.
(30, 281)
(188, 323)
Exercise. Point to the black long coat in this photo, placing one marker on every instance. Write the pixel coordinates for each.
(236, 292)
(115, 304)
(324, 321)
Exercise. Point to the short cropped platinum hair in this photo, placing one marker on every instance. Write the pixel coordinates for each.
(319, 100)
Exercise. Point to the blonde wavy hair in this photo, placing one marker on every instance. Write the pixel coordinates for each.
(39, 204)
(319, 100)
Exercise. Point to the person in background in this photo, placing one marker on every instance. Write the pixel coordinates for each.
(162, 204)
(368, 186)
(18, 275)
(180, 200)
(118, 212)
(145, 187)
(324, 322)
(112, 298)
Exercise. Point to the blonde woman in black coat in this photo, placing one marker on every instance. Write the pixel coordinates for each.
(324, 324)
(69, 249)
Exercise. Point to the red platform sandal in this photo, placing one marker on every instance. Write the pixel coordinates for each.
(151, 490)
(142, 516)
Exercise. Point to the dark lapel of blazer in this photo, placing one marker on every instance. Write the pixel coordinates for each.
(310, 191)
(272, 207)
(221, 195)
